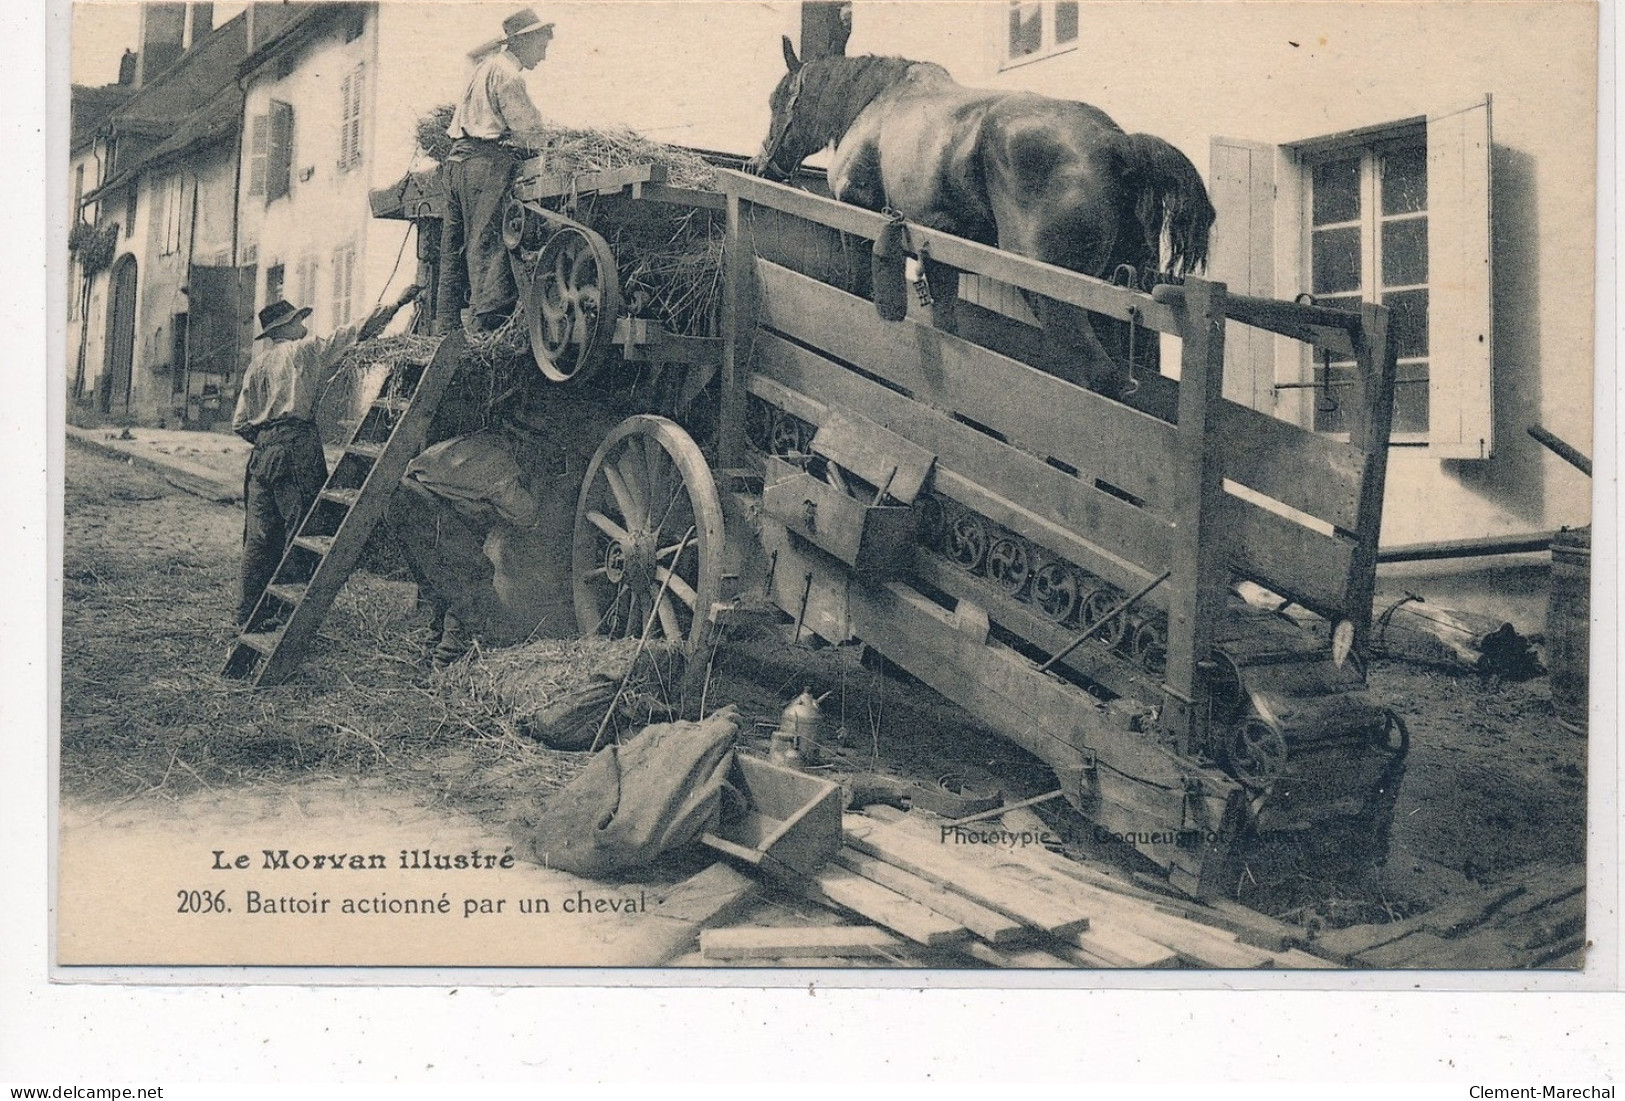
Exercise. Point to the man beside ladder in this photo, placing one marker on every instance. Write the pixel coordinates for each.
(276, 412)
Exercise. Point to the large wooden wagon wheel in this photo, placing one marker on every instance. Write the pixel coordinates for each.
(574, 299)
(648, 535)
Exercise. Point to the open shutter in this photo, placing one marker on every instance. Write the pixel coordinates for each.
(1242, 254)
(259, 146)
(1461, 376)
(279, 166)
(352, 122)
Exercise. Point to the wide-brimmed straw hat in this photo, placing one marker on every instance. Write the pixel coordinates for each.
(279, 313)
(520, 24)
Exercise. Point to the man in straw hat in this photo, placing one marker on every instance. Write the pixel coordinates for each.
(494, 123)
(276, 412)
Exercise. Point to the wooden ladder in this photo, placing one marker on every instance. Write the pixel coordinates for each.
(334, 532)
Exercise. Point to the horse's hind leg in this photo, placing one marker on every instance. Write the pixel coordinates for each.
(1073, 351)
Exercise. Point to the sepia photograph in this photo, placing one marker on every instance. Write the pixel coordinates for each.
(1010, 488)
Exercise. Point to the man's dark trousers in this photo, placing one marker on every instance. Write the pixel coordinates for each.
(473, 259)
(286, 472)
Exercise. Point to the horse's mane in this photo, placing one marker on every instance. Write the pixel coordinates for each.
(835, 89)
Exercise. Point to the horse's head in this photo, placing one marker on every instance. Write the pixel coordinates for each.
(787, 143)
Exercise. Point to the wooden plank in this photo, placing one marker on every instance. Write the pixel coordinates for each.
(1042, 414)
(1021, 958)
(990, 925)
(1198, 944)
(1311, 473)
(882, 906)
(883, 459)
(755, 943)
(709, 896)
(1324, 328)
(1092, 660)
(1051, 280)
(682, 196)
(1126, 545)
(609, 180)
(738, 327)
(1288, 558)
(1046, 533)
(940, 865)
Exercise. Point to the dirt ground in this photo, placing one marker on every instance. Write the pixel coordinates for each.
(149, 580)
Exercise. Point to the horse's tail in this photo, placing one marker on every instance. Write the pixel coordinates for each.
(1171, 199)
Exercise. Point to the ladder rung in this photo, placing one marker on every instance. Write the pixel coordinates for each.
(320, 544)
(264, 641)
(366, 450)
(345, 497)
(288, 594)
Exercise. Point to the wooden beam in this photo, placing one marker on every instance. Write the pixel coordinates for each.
(756, 943)
(1124, 544)
(1201, 549)
(608, 181)
(881, 905)
(708, 896)
(1312, 568)
(1042, 414)
(738, 327)
(939, 864)
(1055, 282)
(1540, 541)
(992, 926)
(1370, 424)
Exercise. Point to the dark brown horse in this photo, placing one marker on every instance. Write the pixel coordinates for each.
(1052, 179)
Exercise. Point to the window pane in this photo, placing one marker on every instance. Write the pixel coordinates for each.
(1405, 181)
(1411, 398)
(1337, 191)
(1408, 328)
(1066, 21)
(1026, 28)
(1405, 252)
(1336, 261)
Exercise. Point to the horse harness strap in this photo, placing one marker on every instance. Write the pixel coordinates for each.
(777, 140)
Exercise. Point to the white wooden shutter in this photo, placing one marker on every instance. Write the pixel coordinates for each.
(1241, 253)
(350, 120)
(1461, 375)
(279, 160)
(259, 146)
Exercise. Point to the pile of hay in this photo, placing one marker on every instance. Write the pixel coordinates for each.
(557, 691)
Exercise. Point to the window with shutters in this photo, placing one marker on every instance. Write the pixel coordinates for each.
(279, 152)
(275, 277)
(1396, 214)
(350, 96)
(1039, 28)
(174, 202)
(343, 284)
(305, 282)
(259, 148)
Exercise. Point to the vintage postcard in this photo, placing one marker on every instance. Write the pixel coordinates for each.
(1052, 487)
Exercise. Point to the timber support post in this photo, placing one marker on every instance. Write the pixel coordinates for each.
(1199, 555)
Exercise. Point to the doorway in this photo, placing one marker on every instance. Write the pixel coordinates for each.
(118, 370)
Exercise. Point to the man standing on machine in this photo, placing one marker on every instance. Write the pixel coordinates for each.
(494, 125)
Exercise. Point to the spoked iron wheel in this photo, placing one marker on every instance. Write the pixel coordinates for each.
(648, 535)
(575, 296)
